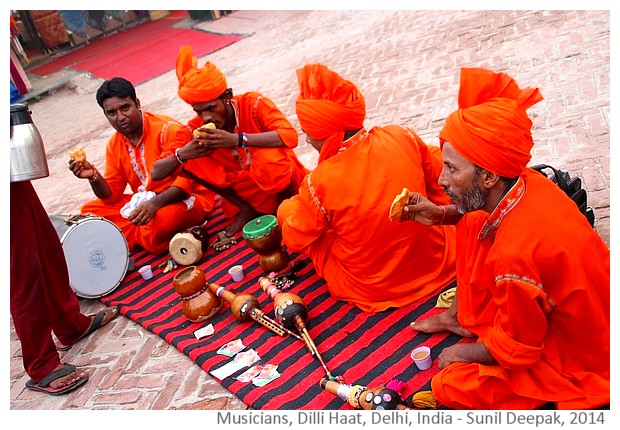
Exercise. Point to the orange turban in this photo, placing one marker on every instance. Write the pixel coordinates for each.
(198, 85)
(491, 128)
(327, 106)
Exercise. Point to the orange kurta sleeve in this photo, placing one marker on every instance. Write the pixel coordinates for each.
(273, 169)
(516, 338)
(115, 174)
(265, 115)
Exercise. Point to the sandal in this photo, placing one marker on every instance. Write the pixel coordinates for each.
(44, 384)
(223, 242)
(94, 326)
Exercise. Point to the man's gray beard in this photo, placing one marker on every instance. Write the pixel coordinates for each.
(473, 198)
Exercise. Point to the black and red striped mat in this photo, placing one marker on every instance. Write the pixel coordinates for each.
(364, 349)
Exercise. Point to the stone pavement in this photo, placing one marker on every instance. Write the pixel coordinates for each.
(406, 63)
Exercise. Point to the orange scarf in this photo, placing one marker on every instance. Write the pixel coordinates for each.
(491, 128)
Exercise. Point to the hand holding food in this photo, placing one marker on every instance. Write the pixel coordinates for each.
(201, 132)
(400, 201)
(78, 154)
(80, 167)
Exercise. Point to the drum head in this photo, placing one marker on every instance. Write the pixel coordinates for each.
(260, 227)
(97, 257)
(185, 249)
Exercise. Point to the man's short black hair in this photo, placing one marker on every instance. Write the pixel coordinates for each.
(116, 87)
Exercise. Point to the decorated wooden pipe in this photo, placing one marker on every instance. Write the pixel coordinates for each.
(292, 312)
(245, 308)
(360, 397)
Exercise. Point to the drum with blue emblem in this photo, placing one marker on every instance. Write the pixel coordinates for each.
(96, 252)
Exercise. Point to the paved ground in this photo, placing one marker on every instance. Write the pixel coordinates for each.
(407, 65)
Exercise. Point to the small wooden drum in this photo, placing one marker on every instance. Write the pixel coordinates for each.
(264, 235)
(187, 248)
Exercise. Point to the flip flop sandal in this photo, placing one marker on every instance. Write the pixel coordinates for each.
(223, 242)
(95, 325)
(43, 384)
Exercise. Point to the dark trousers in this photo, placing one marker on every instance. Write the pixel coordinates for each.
(41, 299)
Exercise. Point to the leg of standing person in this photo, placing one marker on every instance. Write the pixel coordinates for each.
(41, 299)
(30, 298)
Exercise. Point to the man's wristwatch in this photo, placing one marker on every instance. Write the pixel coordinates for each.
(243, 140)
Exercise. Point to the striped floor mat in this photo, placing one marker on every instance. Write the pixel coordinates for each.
(363, 349)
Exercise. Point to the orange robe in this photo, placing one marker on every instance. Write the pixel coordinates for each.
(257, 175)
(533, 285)
(126, 165)
(340, 220)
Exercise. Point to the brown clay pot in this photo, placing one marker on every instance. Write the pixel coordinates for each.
(201, 307)
(189, 281)
(199, 303)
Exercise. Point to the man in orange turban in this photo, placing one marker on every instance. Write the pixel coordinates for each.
(532, 275)
(247, 157)
(340, 218)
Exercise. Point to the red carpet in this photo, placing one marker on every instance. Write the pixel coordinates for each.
(139, 53)
(364, 349)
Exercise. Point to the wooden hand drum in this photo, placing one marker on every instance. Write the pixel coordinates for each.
(187, 248)
(264, 235)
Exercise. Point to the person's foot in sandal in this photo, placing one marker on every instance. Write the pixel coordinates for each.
(97, 321)
(61, 380)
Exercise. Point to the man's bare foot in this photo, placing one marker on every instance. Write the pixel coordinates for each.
(234, 228)
(243, 217)
(445, 321)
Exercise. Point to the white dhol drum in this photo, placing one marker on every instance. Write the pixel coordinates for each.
(96, 252)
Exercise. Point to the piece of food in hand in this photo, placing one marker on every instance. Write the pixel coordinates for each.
(78, 154)
(200, 132)
(400, 201)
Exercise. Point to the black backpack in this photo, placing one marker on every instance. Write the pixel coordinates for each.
(572, 188)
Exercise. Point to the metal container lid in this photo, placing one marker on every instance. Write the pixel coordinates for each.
(18, 106)
(20, 114)
(260, 227)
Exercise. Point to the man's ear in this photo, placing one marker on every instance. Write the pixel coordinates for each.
(489, 179)
(138, 103)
